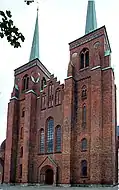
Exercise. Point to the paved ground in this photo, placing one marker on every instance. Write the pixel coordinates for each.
(53, 188)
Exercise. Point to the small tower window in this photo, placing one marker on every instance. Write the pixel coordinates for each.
(25, 84)
(43, 83)
(21, 133)
(20, 171)
(84, 144)
(84, 168)
(84, 58)
(21, 152)
(84, 93)
(23, 112)
(84, 116)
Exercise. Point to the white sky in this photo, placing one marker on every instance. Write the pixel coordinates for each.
(60, 22)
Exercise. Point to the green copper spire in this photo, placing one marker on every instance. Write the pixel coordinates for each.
(91, 22)
(35, 43)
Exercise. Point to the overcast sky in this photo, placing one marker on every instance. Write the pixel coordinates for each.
(60, 22)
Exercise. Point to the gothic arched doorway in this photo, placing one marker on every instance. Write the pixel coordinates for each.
(49, 177)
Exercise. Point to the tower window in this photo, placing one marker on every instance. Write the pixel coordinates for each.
(25, 83)
(58, 139)
(84, 93)
(84, 168)
(84, 58)
(21, 152)
(84, 116)
(42, 147)
(21, 133)
(20, 171)
(84, 144)
(43, 83)
(23, 112)
(50, 135)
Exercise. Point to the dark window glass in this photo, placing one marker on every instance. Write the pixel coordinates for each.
(50, 135)
(21, 152)
(58, 139)
(84, 144)
(84, 114)
(25, 84)
(87, 58)
(82, 60)
(21, 133)
(42, 147)
(84, 168)
(43, 83)
(23, 112)
(20, 171)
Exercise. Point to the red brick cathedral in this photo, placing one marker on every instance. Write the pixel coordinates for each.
(64, 133)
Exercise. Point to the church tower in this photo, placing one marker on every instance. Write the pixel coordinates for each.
(94, 158)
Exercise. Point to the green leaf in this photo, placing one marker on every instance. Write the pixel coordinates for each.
(8, 14)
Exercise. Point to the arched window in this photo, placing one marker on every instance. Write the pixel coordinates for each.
(43, 83)
(50, 135)
(84, 168)
(25, 82)
(58, 96)
(23, 112)
(21, 152)
(58, 138)
(43, 101)
(20, 171)
(50, 94)
(84, 93)
(84, 58)
(21, 133)
(84, 144)
(84, 116)
(42, 147)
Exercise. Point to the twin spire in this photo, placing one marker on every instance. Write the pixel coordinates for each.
(91, 21)
(91, 25)
(35, 43)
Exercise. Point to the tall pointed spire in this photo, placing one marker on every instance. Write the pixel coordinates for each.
(91, 21)
(35, 43)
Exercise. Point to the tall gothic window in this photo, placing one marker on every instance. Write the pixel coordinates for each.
(43, 101)
(23, 112)
(84, 168)
(25, 82)
(50, 135)
(43, 83)
(50, 94)
(58, 138)
(84, 116)
(58, 96)
(42, 145)
(84, 58)
(84, 144)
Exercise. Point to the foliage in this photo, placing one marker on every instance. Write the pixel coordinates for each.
(8, 29)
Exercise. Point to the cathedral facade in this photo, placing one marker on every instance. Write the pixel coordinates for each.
(64, 133)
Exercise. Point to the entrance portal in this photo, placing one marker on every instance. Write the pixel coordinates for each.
(49, 176)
